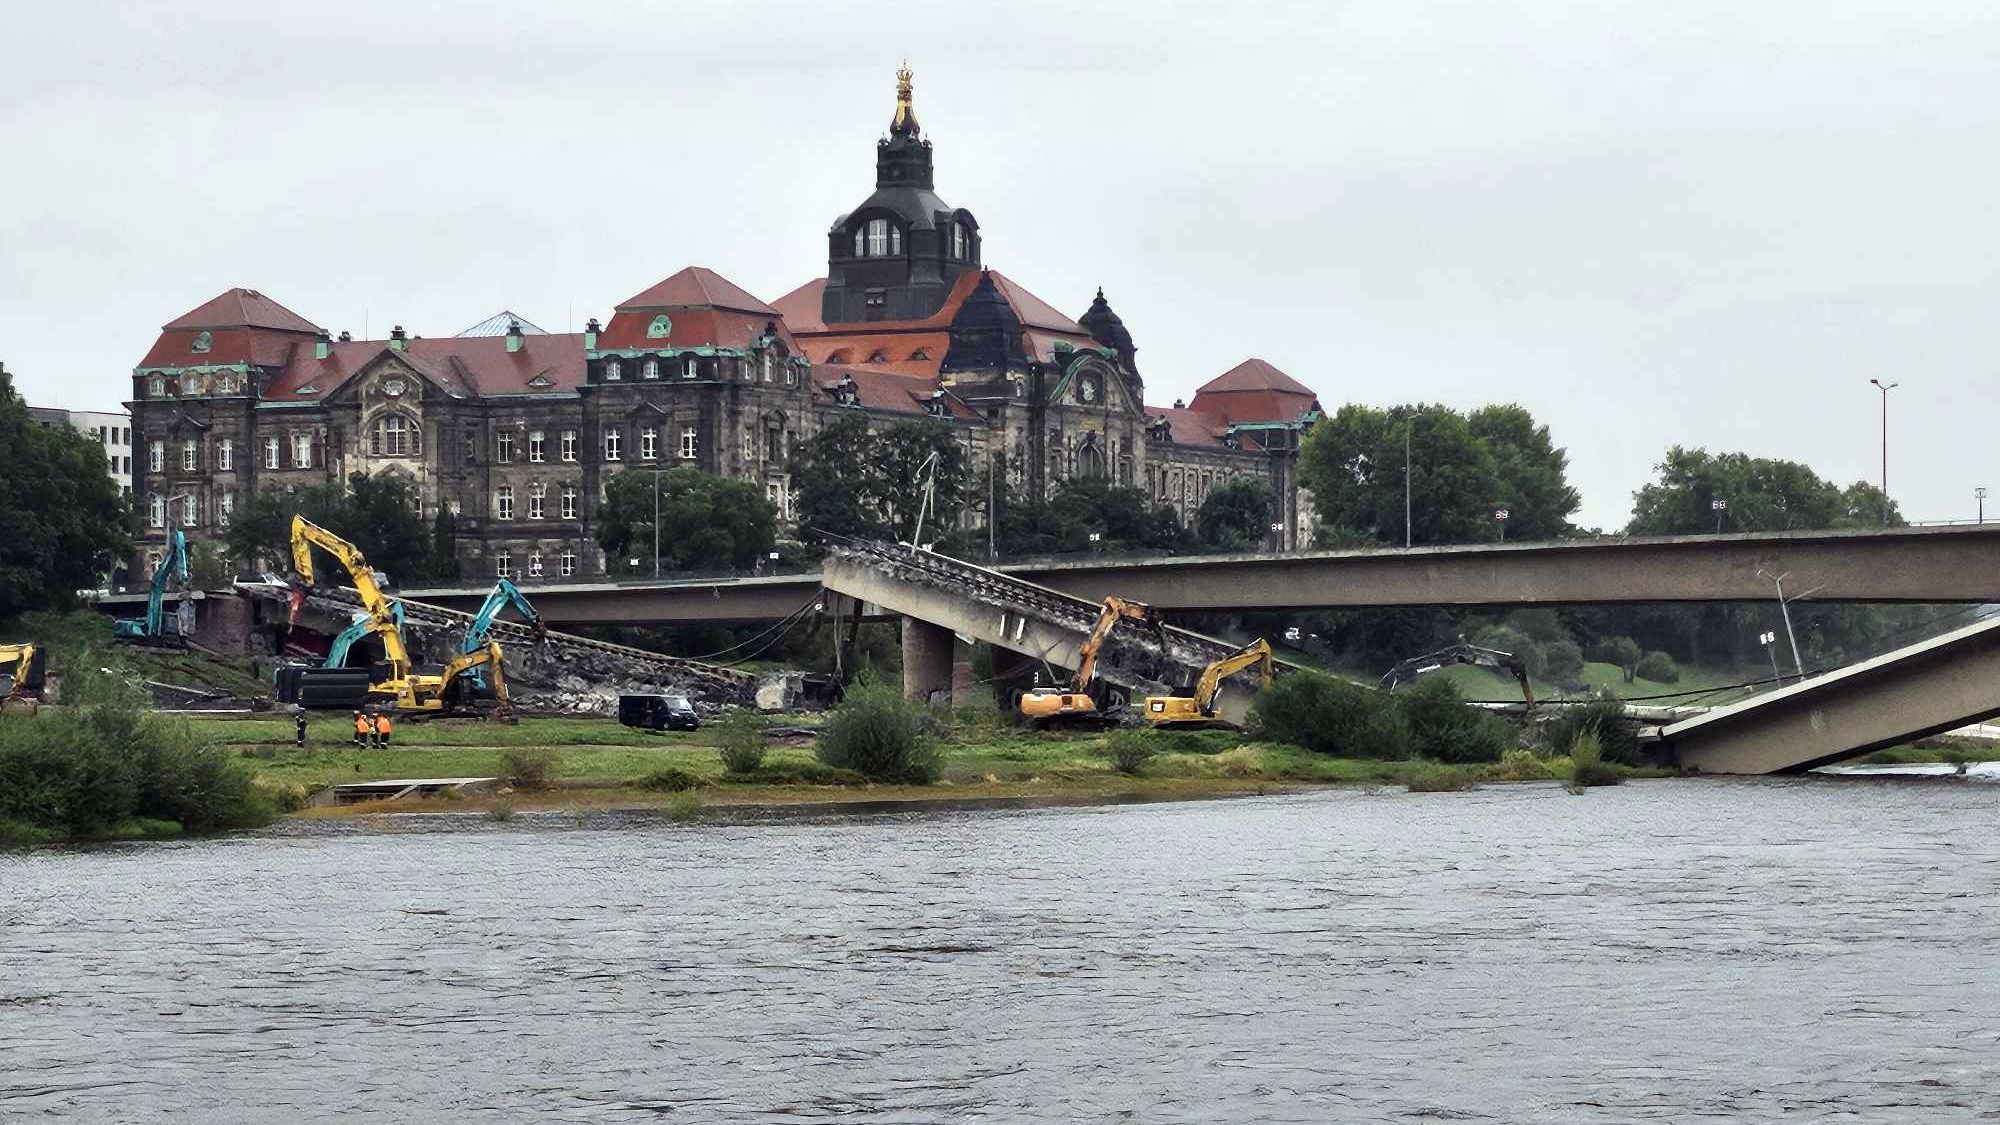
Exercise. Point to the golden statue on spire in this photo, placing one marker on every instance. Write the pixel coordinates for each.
(905, 120)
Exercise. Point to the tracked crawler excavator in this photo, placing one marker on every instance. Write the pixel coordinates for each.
(410, 688)
(1462, 653)
(1084, 699)
(21, 674)
(1197, 708)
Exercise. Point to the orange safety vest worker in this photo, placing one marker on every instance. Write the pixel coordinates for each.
(360, 727)
(384, 728)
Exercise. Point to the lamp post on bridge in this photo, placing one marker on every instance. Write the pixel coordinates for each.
(1979, 494)
(1885, 389)
(1785, 611)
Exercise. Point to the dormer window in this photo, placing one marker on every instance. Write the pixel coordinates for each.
(920, 353)
(203, 341)
(765, 363)
(158, 388)
(660, 327)
(650, 369)
(878, 356)
(613, 371)
(690, 367)
(878, 238)
(961, 241)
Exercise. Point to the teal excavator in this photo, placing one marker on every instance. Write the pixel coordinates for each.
(503, 594)
(156, 627)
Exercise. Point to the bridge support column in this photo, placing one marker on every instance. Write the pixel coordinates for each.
(927, 660)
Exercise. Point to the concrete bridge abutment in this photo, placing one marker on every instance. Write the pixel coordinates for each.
(927, 661)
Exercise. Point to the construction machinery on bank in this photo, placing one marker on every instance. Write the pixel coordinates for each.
(1462, 653)
(1197, 707)
(1085, 698)
(397, 680)
(158, 627)
(22, 669)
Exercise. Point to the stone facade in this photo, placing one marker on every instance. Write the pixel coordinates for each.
(517, 431)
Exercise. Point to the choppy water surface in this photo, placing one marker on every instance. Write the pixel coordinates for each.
(1739, 950)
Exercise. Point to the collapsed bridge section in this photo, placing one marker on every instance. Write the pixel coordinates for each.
(938, 596)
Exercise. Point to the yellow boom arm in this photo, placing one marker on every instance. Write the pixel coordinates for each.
(1257, 655)
(1113, 611)
(305, 536)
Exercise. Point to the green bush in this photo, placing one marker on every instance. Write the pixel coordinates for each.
(796, 773)
(530, 767)
(1605, 714)
(1323, 714)
(742, 744)
(1587, 765)
(683, 806)
(1131, 750)
(1659, 668)
(1562, 662)
(1430, 777)
(878, 734)
(1446, 728)
(97, 769)
(1520, 764)
(1622, 652)
(672, 780)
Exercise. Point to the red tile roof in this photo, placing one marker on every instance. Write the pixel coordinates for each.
(1189, 427)
(242, 308)
(690, 328)
(698, 287)
(260, 346)
(1254, 391)
(887, 390)
(460, 365)
(853, 343)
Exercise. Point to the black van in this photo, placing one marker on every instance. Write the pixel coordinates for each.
(658, 712)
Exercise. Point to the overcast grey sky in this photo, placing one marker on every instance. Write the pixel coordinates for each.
(1699, 222)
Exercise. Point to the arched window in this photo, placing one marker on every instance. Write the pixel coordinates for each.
(895, 242)
(393, 435)
(690, 367)
(660, 327)
(960, 242)
(650, 369)
(878, 238)
(860, 242)
(764, 362)
(156, 510)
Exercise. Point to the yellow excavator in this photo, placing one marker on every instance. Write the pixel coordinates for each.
(431, 689)
(1198, 707)
(21, 665)
(1077, 701)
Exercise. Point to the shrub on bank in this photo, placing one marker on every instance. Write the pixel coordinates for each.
(1604, 714)
(1325, 715)
(877, 733)
(530, 767)
(672, 780)
(1659, 668)
(741, 744)
(102, 769)
(1446, 728)
(1131, 750)
(1587, 765)
(1430, 777)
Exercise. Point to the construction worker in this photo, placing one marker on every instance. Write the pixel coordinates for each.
(300, 737)
(364, 730)
(384, 728)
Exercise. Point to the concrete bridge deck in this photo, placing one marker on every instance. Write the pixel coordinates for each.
(1926, 564)
(1923, 689)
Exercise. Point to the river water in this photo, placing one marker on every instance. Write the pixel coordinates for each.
(1742, 950)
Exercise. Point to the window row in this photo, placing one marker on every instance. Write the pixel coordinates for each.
(112, 435)
(222, 383)
(649, 444)
(298, 444)
(881, 238)
(689, 367)
(538, 493)
(503, 564)
(185, 509)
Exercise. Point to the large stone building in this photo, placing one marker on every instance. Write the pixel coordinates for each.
(517, 430)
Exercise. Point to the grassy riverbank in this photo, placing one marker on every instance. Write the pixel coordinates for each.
(598, 764)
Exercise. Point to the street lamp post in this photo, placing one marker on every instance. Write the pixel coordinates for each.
(1785, 611)
(1885, 389)
(1979, 494)
(656, 523)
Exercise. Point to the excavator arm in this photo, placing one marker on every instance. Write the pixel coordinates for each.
(1113, 611)
(487, 659)
(380, 607)
(503, 594)
(1256, 654)
(1462, 653)
(21, 663)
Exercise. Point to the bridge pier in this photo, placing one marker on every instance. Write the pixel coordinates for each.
(927, 660)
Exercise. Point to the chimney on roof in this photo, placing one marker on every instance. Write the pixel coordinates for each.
(590, 331)
(1180, 405)
(513, 335)
(346, 337)
(397, 340)
(323, 346)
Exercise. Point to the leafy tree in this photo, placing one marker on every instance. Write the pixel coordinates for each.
(378, 514)
(64, 518)
(1762, 494)
(208, 565)
(707, 522)
(1460, 469)
(870, 484)
(1236, 516)
(1124, 519)
(1623, 652)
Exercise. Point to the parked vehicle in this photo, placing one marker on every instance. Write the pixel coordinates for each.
(658, 712)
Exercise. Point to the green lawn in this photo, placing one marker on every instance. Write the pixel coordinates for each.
(327, 730)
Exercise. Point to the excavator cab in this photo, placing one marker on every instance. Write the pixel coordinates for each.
(1084, 698)
(1197, 707)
